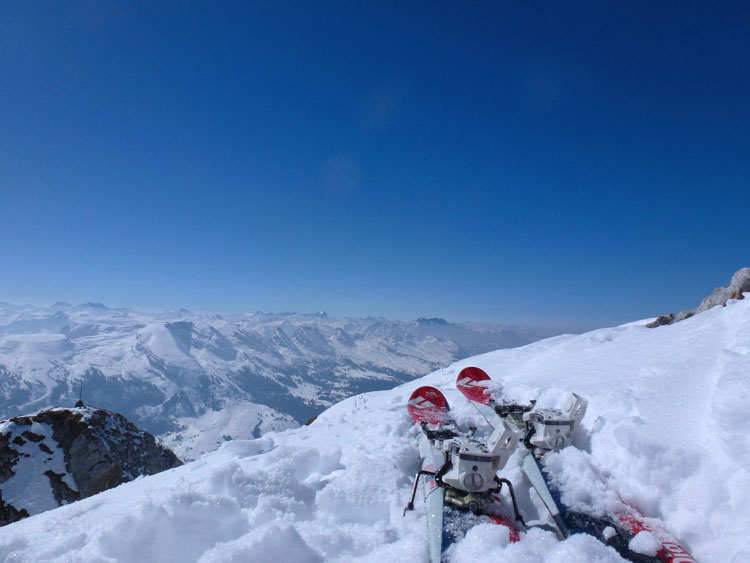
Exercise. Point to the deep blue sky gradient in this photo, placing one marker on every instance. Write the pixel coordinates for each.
(571, 163)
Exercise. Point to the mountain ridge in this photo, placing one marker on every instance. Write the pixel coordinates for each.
(166, 371)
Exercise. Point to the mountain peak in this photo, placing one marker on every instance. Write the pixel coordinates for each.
(92, 306)
(432, 321)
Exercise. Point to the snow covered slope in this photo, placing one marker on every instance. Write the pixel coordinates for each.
(172, 373)
(667, 426)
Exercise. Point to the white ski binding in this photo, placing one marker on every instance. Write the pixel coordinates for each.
(552, 429)
(472, 465)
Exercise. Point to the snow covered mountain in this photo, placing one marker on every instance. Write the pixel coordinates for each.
(667, 430)
(197, 381)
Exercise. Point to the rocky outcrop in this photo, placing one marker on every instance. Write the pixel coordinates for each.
(58, 456)
(739, 285)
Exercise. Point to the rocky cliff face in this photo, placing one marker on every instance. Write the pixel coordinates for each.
(739, 285)
(58, 456)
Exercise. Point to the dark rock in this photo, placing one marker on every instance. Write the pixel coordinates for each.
(9, 514)
(8, 458)
(63, 493)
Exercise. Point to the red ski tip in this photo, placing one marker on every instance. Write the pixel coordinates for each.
(428, 404)
(471, 382)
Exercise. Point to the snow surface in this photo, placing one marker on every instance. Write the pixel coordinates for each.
(667, 430)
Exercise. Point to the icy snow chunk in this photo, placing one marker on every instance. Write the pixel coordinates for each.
(608, 533)
(645, 543)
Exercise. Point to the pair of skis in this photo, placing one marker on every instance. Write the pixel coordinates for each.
(542, 430)
(457, 471)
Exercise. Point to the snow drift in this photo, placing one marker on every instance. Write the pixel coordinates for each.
(667, 430)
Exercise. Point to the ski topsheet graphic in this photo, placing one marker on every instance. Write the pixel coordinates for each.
(546, 430)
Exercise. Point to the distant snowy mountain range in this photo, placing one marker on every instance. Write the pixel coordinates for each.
(199, 380)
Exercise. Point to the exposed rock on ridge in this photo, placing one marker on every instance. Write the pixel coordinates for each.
(58, 456)
(740, 284)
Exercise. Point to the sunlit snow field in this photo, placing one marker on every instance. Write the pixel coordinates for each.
(667, 429)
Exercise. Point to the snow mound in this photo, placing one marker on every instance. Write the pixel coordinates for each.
(666, 431)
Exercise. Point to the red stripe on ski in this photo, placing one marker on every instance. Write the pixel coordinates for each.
(670, 552)
(471, 382)
(428, 404)
(514, 535)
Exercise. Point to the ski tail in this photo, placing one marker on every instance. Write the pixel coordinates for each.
(473, 382)
(429, 405)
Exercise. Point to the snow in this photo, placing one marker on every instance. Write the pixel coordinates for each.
(666, 431)
(28, 486)
(645, 543)
(209, 431)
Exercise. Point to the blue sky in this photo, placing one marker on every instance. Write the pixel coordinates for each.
(579, 164)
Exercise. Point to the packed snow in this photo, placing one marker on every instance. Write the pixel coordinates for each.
(667, 431)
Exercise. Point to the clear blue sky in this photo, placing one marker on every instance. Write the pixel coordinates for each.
(550, 162)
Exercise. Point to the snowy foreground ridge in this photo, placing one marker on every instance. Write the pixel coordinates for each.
(668, 425)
